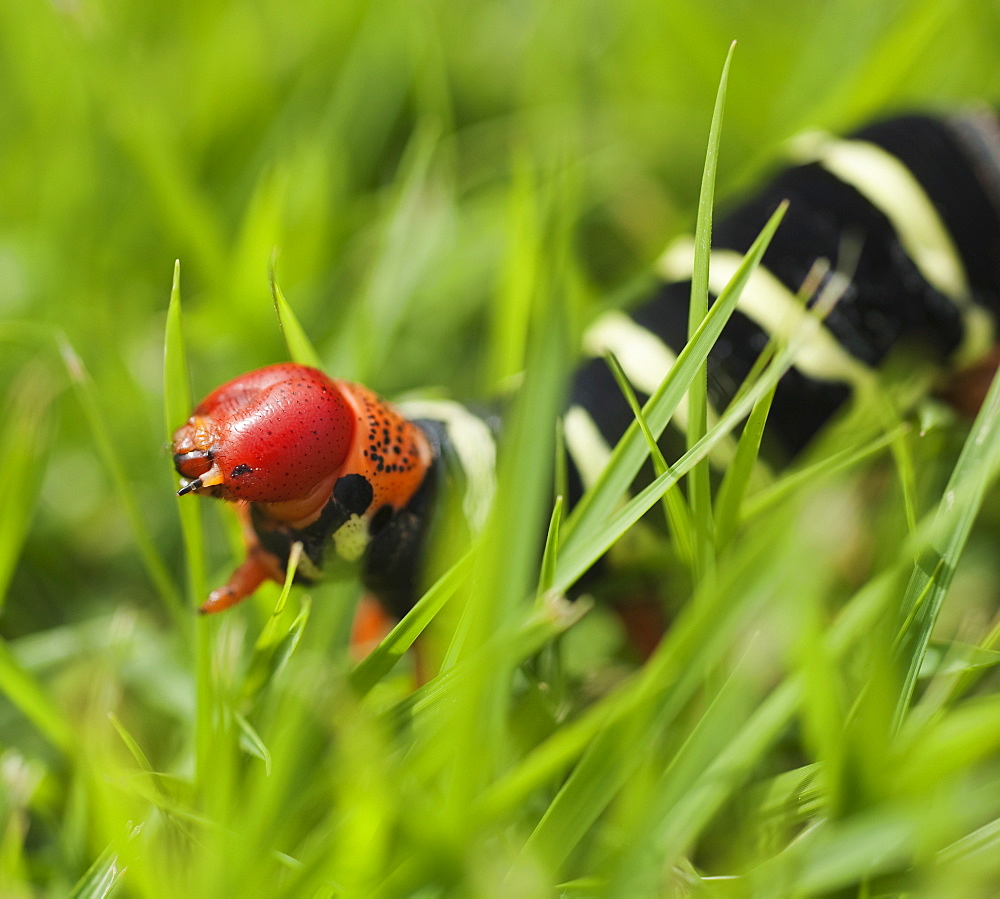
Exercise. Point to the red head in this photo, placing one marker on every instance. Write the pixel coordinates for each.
(269, 436)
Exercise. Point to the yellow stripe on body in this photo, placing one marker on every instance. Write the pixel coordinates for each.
(473, 443)
(774, 308)
(585, 444)
(646, 361)
(890, 187)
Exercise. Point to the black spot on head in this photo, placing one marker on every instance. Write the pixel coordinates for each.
(353, 492)
(240, 469)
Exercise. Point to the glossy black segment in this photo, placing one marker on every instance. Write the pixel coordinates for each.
(353, 492)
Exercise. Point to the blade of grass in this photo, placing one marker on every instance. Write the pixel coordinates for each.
(948, 657)
(176, 377)
(560, 479)
(299, 345)
(767, 572)
(696, 640)
(736, 480)
(100, 878)
(699, 488)
(675, 509)
(177, 406)
(135, 750)
(882, 841)
(602, 771)
(712, 732)
(506, 568)
(274, 646)
(982, 841)
(251, 742)
(511, 306)
(270, 635)
(681, 822)
(550, 550)
(24, 444)
(957, 741)
(412, 226)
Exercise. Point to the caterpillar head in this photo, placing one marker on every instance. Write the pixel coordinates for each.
(274, 435)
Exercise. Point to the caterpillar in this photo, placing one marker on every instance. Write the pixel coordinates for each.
(311, 459)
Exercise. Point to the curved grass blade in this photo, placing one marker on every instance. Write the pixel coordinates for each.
(699, 488)
(24, 443)
(553, 615)
(300, 347)
(177, 405)
(737, 478)
(251, 742)
(675, 509)
(551, 549)
(275, 646)
(176, 376)
(141, 759)
(552, 757)
(100, 878)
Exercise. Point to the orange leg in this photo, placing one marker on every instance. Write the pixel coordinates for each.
(259, 566)
(241, 584)
(371, 625)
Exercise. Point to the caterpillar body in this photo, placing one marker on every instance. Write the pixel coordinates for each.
(914, 201)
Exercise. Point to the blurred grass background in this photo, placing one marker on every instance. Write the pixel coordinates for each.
(394, 152)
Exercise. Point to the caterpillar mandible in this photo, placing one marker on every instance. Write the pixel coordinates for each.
(311, 459)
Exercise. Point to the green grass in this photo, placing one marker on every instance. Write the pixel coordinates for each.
(455, 190)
